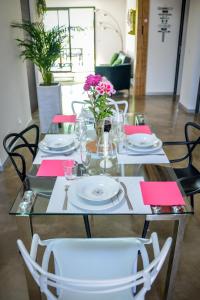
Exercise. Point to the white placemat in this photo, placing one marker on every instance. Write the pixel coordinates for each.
(132, 183)
(48, 156)
(129, 157)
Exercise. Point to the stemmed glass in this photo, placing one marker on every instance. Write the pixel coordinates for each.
(105, 150)
(85, 155)
(80, 129)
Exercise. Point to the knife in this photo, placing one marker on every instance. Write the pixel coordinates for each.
(126, 196)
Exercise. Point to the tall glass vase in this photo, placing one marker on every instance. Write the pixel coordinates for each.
(99, 128)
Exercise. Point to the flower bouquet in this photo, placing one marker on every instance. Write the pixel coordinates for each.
(99, 89)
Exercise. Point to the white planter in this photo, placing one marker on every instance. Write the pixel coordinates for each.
(49, 104)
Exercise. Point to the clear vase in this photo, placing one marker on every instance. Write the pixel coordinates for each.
(99, 128)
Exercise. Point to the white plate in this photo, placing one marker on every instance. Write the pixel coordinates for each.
(142, 140)
(58, 143)
(152, 149)
(45, 149)
(97, 188)
(76, 201)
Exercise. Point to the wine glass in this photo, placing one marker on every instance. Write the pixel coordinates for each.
(106, 150)
(80, 129)
(85, 155)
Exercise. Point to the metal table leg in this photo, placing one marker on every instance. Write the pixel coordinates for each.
(178, 234)
(87, 226)
(24, 224)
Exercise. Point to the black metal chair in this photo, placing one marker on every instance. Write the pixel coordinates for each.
(189, 176)
(15, 143)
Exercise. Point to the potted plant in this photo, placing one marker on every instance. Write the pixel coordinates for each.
(43, 48)
(99, 89)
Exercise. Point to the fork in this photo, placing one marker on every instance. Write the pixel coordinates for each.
(66, 198)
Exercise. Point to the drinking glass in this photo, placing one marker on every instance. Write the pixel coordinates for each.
(80, 129)
(85, 155)
(70, 169)
(117, 126)
(106, 150)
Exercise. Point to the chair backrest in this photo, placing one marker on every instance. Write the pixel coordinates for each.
(118, 104)
(191, 143)
(15, 143)
(111, 102)
(103, 250)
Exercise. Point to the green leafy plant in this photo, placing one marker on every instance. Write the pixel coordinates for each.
(41, 46)
(41, 7)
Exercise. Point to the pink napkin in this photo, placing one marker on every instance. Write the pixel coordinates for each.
(131, 129)
(53, 167)
(162, 193)
(64, 119)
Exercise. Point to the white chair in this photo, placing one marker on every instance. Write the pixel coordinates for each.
(81, 105)
(95, 269)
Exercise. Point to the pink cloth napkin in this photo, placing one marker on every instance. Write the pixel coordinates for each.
(131, 129)
(64, 119)
(162, 193)
(53, 167)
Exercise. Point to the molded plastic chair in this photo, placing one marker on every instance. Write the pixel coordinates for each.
(111, 102)
(16, 143)
(101, 268)
(188, 177)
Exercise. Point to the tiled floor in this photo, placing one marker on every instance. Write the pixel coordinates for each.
(168, 121)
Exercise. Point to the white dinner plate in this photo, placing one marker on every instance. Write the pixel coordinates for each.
(152, 149)
(42, 146)
(80, 203)
(60, 143)
(142, 140)
(97, 188)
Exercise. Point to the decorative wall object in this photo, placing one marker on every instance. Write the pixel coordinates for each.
(164, 16)
(132, 21)
(109, 22)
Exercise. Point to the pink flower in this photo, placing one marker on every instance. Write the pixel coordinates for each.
(105, 87)
(91, 81)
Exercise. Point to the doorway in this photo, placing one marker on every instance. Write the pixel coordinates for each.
(78, 54)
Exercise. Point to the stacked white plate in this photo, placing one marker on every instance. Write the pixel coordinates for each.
(144, 143)
(95, 193)
(58, 145)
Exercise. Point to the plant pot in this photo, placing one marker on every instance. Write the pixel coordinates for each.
(49, 104)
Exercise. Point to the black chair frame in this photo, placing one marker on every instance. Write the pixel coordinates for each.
(191, 145)
(15, 141)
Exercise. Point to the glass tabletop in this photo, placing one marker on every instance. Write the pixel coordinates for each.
(42, 187)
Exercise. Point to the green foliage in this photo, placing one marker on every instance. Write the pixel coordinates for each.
(42, 47)
(99, 107)
(41, 7)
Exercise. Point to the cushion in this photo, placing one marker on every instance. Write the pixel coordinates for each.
(117, 62)
(122, 56)
(113, 58)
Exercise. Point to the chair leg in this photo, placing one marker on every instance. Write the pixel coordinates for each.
(145, 228)
(192, 201)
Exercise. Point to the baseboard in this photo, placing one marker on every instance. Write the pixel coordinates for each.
(185, 109)
(159, 94)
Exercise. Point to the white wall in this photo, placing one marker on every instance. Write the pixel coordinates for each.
(107, 41)
(161, 59)
(14, 97)
(191, 66)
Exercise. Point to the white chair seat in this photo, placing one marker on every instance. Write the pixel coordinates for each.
(96, 259)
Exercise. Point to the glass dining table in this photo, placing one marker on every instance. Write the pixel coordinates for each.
(125, 171)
